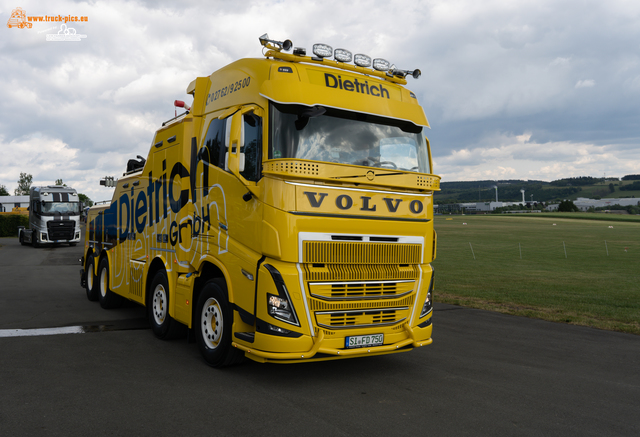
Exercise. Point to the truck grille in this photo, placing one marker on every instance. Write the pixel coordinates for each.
(61, 229)
(341, 252)
(361, 313)
(360, 290)
(360, 272)
(361, 319)
(360, 284)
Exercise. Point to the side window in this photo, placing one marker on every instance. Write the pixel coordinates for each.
(252, 147)
(214, 143)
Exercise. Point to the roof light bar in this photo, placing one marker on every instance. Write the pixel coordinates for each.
(362, 60)
(322, 50)
(381, 64)
(342, 55)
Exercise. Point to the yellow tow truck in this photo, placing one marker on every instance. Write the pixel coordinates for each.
(286, 216)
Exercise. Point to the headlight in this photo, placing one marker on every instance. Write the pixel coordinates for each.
(428, 303)
(279, 307)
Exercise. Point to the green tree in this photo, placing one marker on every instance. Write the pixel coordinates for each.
(85, 200)
(3, 191)
(59, 182)
(612, 187)
(567, 206)
(24, 184)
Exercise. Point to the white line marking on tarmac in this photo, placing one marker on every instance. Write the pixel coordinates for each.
(43, 331)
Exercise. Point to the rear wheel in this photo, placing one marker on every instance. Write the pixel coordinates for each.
(162, 324)
(108, 299)
(214, 318)
(22, 239)
(92, 287)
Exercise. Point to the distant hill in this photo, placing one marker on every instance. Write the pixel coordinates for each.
(542, 191)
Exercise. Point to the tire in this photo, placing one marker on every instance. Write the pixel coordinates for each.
(213, 322)
(72, 244)
(22, 239)
(108, 299)
(162, 324)
(34, 239)
(92, 287)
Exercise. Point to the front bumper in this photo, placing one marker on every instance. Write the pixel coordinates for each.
(325, 349)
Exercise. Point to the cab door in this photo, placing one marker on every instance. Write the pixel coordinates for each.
(230, 212)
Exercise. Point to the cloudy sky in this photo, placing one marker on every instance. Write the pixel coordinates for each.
(512, 89)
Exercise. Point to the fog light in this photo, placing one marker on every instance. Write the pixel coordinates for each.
(278, 329)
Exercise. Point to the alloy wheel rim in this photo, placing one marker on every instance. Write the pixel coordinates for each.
(211, 323)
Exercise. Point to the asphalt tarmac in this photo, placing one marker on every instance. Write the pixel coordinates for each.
(486, 374)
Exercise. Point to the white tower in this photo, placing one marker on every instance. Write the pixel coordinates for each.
(523, 202)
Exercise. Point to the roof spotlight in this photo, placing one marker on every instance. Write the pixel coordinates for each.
(322, 50)
(276, 45)
(362, 60)
(381, 64)
(342, 55)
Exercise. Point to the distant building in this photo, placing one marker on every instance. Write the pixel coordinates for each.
(584, 204)
(7, 203)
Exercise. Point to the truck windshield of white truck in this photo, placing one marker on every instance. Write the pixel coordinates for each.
(64, 208)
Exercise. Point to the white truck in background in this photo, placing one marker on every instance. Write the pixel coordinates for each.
(54, 216)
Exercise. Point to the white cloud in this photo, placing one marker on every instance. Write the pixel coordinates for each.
(503, 82)
(587, 83)
(518, 158)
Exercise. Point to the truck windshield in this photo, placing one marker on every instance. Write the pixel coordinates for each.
(331, 135)
(65, 208)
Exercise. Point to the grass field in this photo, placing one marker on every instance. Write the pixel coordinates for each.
(584, 272)
(584, 216)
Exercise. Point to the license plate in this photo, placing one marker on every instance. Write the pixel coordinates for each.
(364, 340)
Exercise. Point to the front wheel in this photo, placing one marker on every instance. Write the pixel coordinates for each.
(214, 318)
(108, 299)
(162, 324)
